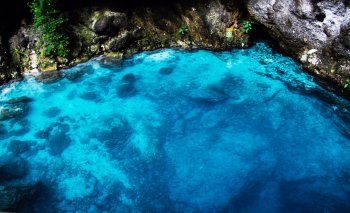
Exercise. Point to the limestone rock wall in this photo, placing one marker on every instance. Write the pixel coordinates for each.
(316, 33)
(117, 32)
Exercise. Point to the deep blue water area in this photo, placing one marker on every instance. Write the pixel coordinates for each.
(177, 131)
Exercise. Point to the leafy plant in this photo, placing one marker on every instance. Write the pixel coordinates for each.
(347, 83)
(246, 26)
(49, 23)
(183, 31)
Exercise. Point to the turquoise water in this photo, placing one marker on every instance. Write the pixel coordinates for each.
(178, 131)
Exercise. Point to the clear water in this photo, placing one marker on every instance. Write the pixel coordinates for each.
(241, 131)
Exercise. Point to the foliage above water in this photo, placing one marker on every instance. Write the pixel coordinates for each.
(347, 83)
(183, 31)
(49, 22)
(247, 26)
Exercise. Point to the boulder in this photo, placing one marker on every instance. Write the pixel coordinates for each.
(109, 23)
(22, 99)
(49, 77)
(129, 78)
(126, 87)
(75, 74)
(305, 25)
(58, 139)
(9, 111)
(119, 42)
(14, 198)
(113, 63)
(12, 168)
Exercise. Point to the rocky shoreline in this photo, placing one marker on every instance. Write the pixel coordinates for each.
(315, 33)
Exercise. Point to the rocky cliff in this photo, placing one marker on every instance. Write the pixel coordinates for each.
(314, 32)
(116, 30)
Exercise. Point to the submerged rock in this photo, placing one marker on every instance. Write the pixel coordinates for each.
(12, 168)
(115, 138)
(112, 63)
(20, 127)
(9, 111)
(14, 198)
(22, 99)
(77, 187)
(3, 131)
(79, 72)
(58, 139)
(129, 78)
(73, 76)
(126, 88)
(210, 95)
(18, 147)
(91, 96)
(52, 112)
(49, 77)
(166, 70)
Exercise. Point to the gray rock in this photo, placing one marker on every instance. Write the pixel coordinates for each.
(19, 40)
(9, 111)
(22, 99)
(49, 77)
(7, 70)
(100, 39)
(110, 23)
(313, 32)
(119, 42)
(137, 33)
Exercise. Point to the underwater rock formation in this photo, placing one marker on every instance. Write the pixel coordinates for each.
(13, 198)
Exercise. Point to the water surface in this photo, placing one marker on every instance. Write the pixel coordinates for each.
(177, 131)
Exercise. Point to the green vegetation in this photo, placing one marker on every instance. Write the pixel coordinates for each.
(183, 31)
(49, 23)
(347, 83)
(246, 26)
